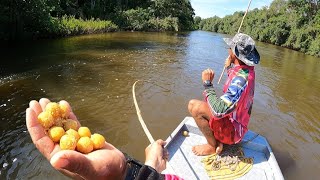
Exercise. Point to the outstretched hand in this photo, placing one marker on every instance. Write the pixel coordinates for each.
(105, 163)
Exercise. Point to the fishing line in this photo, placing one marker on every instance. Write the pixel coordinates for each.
(224, 68)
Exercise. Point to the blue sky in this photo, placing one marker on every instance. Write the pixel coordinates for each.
(210, 8)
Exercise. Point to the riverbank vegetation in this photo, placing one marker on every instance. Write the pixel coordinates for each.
(294, 24)
(20, 19)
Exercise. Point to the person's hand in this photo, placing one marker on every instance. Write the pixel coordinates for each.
(106, 163)
(228, 62)
(157, 155)
(207, 74)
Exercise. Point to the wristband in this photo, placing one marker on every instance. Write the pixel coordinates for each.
(207, 83)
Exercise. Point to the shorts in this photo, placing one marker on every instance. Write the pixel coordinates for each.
(223, 130)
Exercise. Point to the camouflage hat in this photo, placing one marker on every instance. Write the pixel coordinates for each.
(243, 47)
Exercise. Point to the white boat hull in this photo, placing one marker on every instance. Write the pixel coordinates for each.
(185, 164)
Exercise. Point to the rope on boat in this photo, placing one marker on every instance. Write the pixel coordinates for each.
(224, 68)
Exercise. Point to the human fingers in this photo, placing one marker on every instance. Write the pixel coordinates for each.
(208, 74)
(161, 142)
(72, 164)
(36, 131)
(157, 147)
(160, 145)
(212, 73)
(35, 106)
(43, 143)
(43, 102)
(91, 166)
(165, 154)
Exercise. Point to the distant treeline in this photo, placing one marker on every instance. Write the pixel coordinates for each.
(21, 19)
(294, 24)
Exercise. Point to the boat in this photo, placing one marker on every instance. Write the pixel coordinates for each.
(185, 164)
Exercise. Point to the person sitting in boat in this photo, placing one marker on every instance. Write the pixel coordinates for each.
(224, 119)
(105, 163)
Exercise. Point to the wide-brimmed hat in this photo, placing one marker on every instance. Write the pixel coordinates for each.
(243, 47)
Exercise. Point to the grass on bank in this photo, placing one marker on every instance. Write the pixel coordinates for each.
(69, 26)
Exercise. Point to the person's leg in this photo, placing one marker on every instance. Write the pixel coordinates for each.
(200, 111)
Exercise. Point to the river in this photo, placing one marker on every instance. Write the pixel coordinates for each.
(95, 73)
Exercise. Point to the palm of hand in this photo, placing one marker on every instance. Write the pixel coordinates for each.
(106, 163)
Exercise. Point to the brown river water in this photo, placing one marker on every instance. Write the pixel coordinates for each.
(95, 73)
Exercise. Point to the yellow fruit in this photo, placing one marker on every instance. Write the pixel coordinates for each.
(53, 109)
(84, 145)
(68, 142)
(98, 141)
(185, 133)
(84, 132)
(65, 110)
(55, 133)
(70, 124)
(59, 122)
(46, 120)
(74, 133)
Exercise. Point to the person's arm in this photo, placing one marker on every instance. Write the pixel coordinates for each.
(222, 106)
(148, 173)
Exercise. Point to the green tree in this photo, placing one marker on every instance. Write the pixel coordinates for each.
(197, 21)
(290, 23)
(181, 9)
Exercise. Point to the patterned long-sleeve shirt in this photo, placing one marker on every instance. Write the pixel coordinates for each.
(222, 106)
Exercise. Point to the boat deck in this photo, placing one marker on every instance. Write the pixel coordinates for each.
(185, 164)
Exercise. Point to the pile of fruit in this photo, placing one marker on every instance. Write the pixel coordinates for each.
(66, 132)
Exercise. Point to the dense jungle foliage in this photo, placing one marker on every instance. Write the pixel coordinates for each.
(294, 24)
(50, 18)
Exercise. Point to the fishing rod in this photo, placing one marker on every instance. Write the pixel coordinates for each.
(144, 126)
(224, 68)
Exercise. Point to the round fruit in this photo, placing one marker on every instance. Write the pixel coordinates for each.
(59, 122)
(84, 132)
(84, 145)
(98, 141)
(74, 133)
(185, 133)
(68, 142)
(65, 110)
(46, 120)
(55, 133)
(53, 109)
(70, 124)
